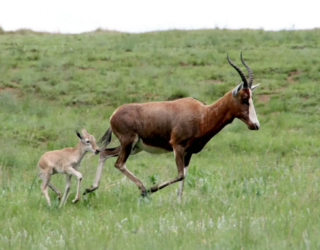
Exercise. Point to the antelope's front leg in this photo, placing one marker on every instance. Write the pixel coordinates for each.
(179, 153)
(79, 177)
(105, 154)
(96, 181)
(66, 191)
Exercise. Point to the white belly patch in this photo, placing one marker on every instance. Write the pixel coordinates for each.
(140, 146)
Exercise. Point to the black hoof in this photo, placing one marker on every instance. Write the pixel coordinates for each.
(89, 190)
(146, 193)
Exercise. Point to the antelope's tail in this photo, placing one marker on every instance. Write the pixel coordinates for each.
(105, 139)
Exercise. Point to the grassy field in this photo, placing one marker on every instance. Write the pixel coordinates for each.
(245, 190)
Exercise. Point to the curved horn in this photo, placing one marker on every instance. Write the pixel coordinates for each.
(245, 83)
(249, 71)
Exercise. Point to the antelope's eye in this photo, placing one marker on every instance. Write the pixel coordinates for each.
(88, 142)
(245, 101)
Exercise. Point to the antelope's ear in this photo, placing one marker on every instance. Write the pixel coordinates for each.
(253, 87)
(236, 90)
(84, 132)
(78, 134)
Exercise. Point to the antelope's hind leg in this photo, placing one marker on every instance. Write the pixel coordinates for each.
(54, 189)
(44, 186)
(104, 155)
(72, 171)
(66, 190)
(125, 151)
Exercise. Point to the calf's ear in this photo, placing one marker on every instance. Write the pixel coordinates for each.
(78, 134)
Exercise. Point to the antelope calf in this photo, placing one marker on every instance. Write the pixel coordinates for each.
(65, 161)
(183, 126)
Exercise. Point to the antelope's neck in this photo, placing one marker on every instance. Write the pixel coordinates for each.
(218, 115)
(79, 151)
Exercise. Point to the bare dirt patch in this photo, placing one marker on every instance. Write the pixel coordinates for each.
(10, 90)
(86, 68)
(183, 64)
(264, 98)
(7, 89)
(291, 74)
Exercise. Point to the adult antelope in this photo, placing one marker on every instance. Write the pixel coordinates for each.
(65, 161)
(183, 126)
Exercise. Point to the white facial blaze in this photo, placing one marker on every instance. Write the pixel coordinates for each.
(252, 112)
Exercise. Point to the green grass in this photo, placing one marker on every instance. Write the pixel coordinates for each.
(245, 190)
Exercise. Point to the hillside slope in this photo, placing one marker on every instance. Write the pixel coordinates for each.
(250, 190)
